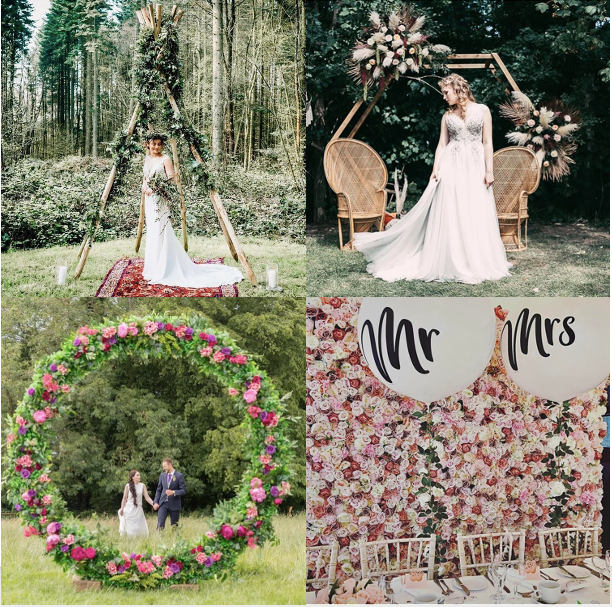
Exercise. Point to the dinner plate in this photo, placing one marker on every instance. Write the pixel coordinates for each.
(473, 584)
(578, 571)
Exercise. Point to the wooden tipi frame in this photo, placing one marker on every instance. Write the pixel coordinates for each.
(485, 61)
(151, 17)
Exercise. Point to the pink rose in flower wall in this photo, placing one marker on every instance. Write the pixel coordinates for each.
(250, 396)
(206, 351)
(69, 540)
(53, 540)
(219, 356)
(122, 329)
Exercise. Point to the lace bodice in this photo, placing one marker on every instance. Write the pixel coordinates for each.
(155, 166)
(468, 130)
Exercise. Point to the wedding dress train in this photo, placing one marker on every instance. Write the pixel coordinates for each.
(452, 233)
(166, 262)
(133, 522)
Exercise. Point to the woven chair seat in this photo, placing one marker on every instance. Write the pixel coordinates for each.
(517, 174)
(358, 176)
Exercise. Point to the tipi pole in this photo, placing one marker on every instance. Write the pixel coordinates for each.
(228, 230)
(140, 222)
(107, 189)
(179, 185)
(141, 217)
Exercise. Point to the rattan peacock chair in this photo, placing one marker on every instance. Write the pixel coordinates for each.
(358, 176)
(517, 174)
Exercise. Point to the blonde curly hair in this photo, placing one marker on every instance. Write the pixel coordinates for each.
(462, 90)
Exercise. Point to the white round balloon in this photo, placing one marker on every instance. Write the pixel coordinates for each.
(557, 347)
(427, 348)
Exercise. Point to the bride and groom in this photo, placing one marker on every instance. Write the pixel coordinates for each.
(170, 489)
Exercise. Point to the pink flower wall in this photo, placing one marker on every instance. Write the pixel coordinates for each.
(507, 460)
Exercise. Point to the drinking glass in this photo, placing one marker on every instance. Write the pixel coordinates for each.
(601, 566)
(518, 575)
(498, 572)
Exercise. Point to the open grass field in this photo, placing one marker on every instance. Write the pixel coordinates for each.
(32, 273)
(272, 575)
(560, 261)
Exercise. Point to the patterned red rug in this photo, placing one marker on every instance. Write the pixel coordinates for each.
(124, 279)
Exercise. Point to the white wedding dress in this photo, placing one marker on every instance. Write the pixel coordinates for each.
(166, 262)
(133, 522)
(452, 233)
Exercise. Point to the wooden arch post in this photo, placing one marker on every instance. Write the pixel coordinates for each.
(151, 16)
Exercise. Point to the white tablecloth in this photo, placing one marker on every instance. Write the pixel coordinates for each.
(591, 593)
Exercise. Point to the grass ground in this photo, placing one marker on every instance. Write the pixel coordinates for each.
(561, 260)
(33, 272)
(272, 575)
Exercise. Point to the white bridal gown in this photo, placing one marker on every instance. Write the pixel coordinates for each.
(166, 262)
(133, 522)
(452, 233)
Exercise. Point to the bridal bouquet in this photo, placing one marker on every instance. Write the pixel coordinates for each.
(351, 592)
(392, 46)
(548, 131)
(167, 196)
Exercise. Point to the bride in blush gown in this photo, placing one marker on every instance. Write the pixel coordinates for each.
(166, 262)
(452, 233)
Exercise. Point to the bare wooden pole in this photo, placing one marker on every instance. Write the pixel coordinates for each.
(89, 238)
(158, 11)
(179, 185)
(141, 219)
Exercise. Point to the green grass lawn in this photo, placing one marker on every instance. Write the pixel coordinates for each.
(272, 575)
(33, 272)
(561, 261)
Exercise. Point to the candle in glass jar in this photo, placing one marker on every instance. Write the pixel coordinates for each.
(272, 279)
(62, 271)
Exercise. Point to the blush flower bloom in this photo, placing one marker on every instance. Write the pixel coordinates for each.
(122, 330)
(250, 396)
(40, 417)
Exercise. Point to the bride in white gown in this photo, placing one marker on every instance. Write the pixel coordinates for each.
(452, 233)
(132, 520)
(166, 262)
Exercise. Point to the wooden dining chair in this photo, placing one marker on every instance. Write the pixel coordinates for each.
(358, 176)
(562, 545)
(398, 556)
(479, 551)
(321, 564)
(517, 175)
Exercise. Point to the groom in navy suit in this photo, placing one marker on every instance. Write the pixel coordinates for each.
(170, 488)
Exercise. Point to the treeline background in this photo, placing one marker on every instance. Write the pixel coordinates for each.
(553, 50)
(121, 411)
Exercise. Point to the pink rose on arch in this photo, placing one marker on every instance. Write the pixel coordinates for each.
(211, 535)
(69, 540)
(157, 560)
(109, 332)
(219, 356)
(53, 540)
(40, 416)
(241, 531)
(206, 351)
(252, 542)
(250, 396)
(201, 557)
(227, 532)
(216, 556)
(251, 512)
(232, 391)
(256, 482)
(258, 494)
(54, 527)
(254, 411)
(122, 329)
(90, 553)
(240, 359)
(65, 388)
(10, 438)
(278, 501)
(47, 499)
